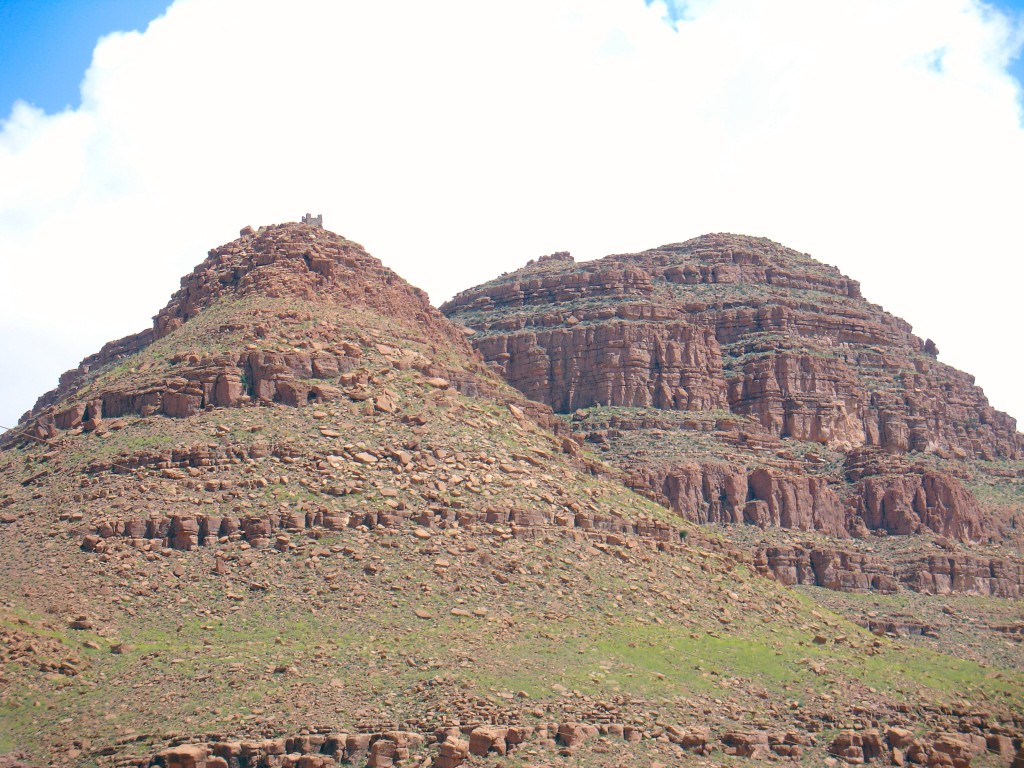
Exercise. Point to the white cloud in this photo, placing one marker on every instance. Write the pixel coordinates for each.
(456, 140)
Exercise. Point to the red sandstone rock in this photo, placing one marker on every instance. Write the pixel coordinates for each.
(618, 363)
(688, 738)
(803, 397)
(857, 747)
(747, 744)
(806, 503)
(573, 734)
(705, 492)
(912, 502)
(753, 294)
(185, 756)
(739, 323)
(452, 753)
(485, 740)
(952, 749)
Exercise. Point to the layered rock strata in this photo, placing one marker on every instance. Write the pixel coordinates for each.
(721, 474)
(670, 366)
(726, 325)
(828, 567)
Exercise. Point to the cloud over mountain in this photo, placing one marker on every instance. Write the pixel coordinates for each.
(458, 139)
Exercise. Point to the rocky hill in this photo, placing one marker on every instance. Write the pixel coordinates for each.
(260, 339)
(741, 382)
(299, 523)
(731, 323)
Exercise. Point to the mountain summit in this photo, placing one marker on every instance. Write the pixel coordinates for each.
(262, 354)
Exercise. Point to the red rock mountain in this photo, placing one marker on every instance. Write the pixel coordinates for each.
(300, 523)
(737, 380)
(282, 262)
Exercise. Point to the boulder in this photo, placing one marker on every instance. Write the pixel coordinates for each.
(185, 756)
(488, 739)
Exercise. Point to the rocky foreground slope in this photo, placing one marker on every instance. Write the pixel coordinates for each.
(299, 523)
(740, 382)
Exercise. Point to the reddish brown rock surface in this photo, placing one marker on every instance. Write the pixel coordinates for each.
(730, 377)
(743, 323)
(716, 492)
(664, 365)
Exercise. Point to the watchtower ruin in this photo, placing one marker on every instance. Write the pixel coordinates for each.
(316, 221)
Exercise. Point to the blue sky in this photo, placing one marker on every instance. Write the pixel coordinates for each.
(675, 12)
(1016, 8)
(46, 45)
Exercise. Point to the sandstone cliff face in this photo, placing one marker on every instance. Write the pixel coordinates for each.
(826, 567)
(804, 503)
(946, 574)
(802, 396)
(713, 492)
(900, 497)
(798, 347)
(834, 568)
(914, 502)
(786, 344)
(704, 492)
(671, 366)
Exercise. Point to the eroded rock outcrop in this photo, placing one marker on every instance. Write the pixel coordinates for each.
(803, 396)
(670, 366)
(801, 350)
(909, 503)
(715, 492)
(704, 492)
(945, 574)
(730, 324)
(900, 497)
